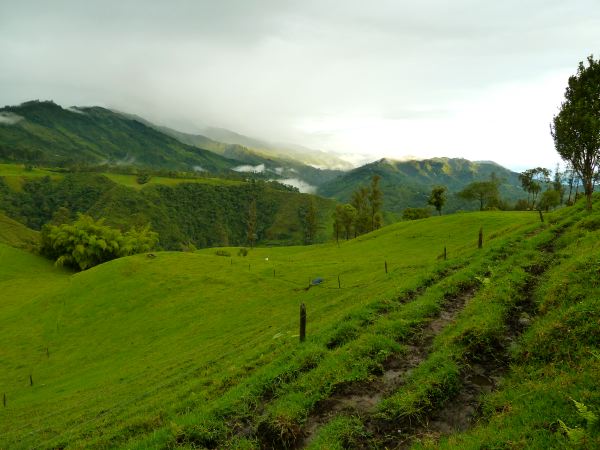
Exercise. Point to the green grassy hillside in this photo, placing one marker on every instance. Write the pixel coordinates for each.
(408, 183)
(45, 133)
(17, 235)
(179, 348)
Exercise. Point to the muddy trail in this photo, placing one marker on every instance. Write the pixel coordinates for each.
(462, 411)
(360, 399)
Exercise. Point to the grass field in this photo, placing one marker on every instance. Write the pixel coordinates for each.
(17, 235)
(201, 350)
(194, 322)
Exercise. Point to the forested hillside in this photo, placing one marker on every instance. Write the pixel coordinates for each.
(196, 213)
(47, 134)
(409, 183)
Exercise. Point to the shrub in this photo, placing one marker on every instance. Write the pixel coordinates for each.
(222, 253)
(243, 251)
(87, 243)
(416, 213)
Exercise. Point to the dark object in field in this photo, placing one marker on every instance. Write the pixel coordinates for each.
(541, 215)
(302, 322)
(316, 281)
(480, 238)
(151, 255)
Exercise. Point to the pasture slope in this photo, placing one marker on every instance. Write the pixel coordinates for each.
(201, 350)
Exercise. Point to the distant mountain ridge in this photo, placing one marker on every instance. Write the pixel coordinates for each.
(408, 183)
(43, 132)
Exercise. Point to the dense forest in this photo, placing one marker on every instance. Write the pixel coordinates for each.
(184, 215)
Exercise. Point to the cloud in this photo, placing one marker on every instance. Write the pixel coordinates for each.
(302, 185)
(248, 168)
(8, 118)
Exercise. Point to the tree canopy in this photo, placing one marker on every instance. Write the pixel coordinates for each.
(485, 192)
(576, 128)
(437, 198)
(87, 243)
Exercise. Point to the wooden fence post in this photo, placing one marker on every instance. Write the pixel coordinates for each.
(541, 215)
(339, 283)
(30, 380)
(302, 322)
(445, 254)
(481, 237)
(385, 262)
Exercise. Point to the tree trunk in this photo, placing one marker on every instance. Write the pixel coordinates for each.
(589, 190)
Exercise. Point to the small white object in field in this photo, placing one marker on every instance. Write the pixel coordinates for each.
(267, 258)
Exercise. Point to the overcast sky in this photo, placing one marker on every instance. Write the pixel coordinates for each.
(470, 78)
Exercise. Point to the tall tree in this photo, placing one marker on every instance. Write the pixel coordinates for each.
(310, 221)
(557, 184)
(437, 198)
(485, 192)
(360, 202)
(375, 201)
(348, 218)
(251, 223)
(576, 128)
(532, 181)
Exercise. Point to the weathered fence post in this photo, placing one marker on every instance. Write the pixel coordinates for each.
(445, 254)
(339, 283)
(30, 380)
(541, 215)
(302, 322)
(385, 263)
(481, 237)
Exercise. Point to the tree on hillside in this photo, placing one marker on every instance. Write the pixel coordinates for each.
(310, 221)
(485, 192)
(549, 199)
(360, 202)
(437, 198)
(532, 181)
(375, 197)
(251, 223)
(557, 184)
(348, 218)
(87, 243)
(576, 128)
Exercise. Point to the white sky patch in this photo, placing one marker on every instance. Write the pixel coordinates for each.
(508, 124)
(8, 118)
(302, 186)
(259, 168)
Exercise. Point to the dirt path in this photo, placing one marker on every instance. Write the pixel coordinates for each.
(361, 398)
(462, 411)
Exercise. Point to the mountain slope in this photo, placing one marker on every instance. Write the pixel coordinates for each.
(43, 132)
(285, 167)
(408, 183)
(299, 153)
